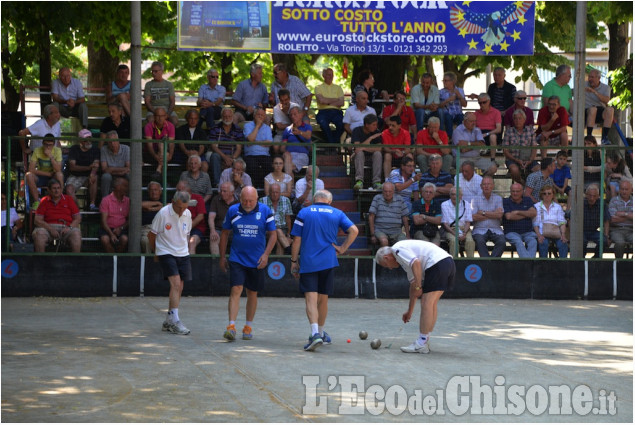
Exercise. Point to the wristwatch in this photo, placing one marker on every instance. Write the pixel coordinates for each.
(306, 108)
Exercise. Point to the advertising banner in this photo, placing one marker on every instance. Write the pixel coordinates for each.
(370, 27)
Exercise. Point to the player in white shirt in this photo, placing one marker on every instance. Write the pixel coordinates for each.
(430, 271)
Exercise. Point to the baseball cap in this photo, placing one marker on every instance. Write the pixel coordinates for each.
(85, 133)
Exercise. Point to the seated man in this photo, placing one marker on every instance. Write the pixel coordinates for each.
(487, 212)
(119, 90)
(45, 164)
(562, 176)
(256, 155)
(596, 98)
(354, 115)
(520, 100)
(424, 98)
(222, 155)
(449, 219)
(68, 96)
(159, 92)
(538, 179)
(433, 138)
(591, 220)
(520, 162)
(559, 86)
(552, 125)
(489, 121)
(395, 136)
(330, 99)
(426, 216)
(280, 206)
(469, 182)
(281, 118)
(210, 99)
(296, 156)
(159, 130)
(192, 132)
(387, 215)
(298, 91)
(149, 209)
(501, 92)
(406, 181)
(441, 179)
(467, 135)
(199, 216)
(115, 209)
(57, 220)
(518, 215)
(453, 101)
(115, 162)
(403, 111)
(217, 211)
(621, 211)
(237, 176)
(83, 164)
(363, 138)
(249, 94)
(304, 189)
(49, 124)
(197, 179)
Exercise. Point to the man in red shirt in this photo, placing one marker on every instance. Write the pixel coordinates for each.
(552, 125)
(394, 135)
(114, 210)
(434, 137)
(403, 111)
(199, 216)
(57, 219)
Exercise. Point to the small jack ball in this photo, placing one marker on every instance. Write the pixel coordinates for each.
(348, 340)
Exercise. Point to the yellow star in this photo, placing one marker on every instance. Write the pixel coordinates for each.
(519, 3)
(516, 35)
(487, 49)
(522, 20)
(504, 46)
(460, 16)
(463, 32)
(467, 3)
(473, 44)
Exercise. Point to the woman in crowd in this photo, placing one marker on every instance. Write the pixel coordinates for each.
(280, 177)
(550, 224)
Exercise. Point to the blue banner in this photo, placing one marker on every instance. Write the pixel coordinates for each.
(371, 27)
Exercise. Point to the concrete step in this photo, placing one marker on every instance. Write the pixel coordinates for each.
(358, 252)
(355, 216)
(332, 171)
(330, 160)
(336, 182)
(360, 242)
(346, 206)
(342, 194)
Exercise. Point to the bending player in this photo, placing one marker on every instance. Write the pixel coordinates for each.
(430, 271)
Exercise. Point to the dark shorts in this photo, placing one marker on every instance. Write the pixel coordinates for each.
(249, 277)
(176, 266)
(197, 232)
(509, 163)
(102, 232)
(42, 181)
(440, 277)
(320, 282)
(598, 114)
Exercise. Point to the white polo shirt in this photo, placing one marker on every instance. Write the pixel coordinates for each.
(172, 231)
(427, 253)
(355, 118)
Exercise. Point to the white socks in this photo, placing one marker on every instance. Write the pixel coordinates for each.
(314, 328)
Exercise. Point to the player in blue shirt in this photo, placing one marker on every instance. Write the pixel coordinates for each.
(253, 228)
(315, 236)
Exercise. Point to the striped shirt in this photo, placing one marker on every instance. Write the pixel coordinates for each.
(388, 216)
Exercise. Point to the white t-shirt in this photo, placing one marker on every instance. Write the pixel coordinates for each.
(300, 187)
(40, 128)
(172, 231)
(14, 217)
(281, 117)
(427, 253)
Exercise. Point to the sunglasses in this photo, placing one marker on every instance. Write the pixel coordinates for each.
(213, 76)
(483, 102)
(521, 98)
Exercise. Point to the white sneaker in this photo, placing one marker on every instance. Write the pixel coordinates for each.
(178, 328)
(414, 348)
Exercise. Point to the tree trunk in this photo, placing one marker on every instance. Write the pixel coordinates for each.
(12, 96)
(618, 52)
(102, 67)
(227, 77)
(287, 60)
(45, 63)
(387, 70)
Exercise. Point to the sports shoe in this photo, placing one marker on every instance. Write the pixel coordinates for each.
(358, 185)
(247, 332)
(606, 141)
(314, 342)
(166, 326)
(230, 333)
(178, 328)
(93, 208)
(377, 186)
(414, 348)
(326, 338)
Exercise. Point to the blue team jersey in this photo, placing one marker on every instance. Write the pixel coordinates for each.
(318, 226)
(249, 232)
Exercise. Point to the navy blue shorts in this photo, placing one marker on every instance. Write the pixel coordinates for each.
(320, 282)
(176, 266)
(197, 232)
(249, 277)
(440, 277)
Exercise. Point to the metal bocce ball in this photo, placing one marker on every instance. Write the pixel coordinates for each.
(375, 343)
(363, 334)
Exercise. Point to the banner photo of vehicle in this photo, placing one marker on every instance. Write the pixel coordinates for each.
(359, 27)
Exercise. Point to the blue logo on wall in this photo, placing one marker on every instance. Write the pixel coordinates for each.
(9, 268)
(276, 270)
(473, 273)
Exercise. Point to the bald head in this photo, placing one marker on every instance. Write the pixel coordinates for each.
(248, 198)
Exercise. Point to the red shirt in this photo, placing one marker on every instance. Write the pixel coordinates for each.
(424, 138)
(544, 116)
(60, 213)
(199, 209)
(407, 115)
(403, 138)
(487, 121)
(117, 210)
